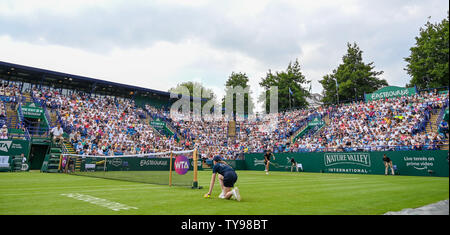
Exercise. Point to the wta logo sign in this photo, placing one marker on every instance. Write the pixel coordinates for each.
(181, 165)
(5, 145)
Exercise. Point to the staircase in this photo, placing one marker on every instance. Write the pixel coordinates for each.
(232, 129)
(69, 147)
(156, 131)
(12, 116)
(168, 126)
(431, 126)
(53, 117)
(53, 160)
(445, 147)
(160, 132)
(293, 137)
(327, 120)
(28, 98)
(78, 164)
(312, 127)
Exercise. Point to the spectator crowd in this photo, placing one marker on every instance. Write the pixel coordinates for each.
(105, 125)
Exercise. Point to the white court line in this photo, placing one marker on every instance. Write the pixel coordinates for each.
(70, 187)
(115, 206)
(81, 190)
(118, 185)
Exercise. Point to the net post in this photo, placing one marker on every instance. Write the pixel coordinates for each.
(66, 167)
(170, 169)
(195, 162)
(60, 162)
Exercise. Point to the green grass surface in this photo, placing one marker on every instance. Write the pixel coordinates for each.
(279, 193)
(149, 177)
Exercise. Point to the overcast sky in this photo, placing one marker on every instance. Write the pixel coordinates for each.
(158, 44)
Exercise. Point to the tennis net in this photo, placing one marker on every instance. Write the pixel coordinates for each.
(175, 168)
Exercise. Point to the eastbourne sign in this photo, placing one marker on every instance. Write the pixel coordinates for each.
(390, 92)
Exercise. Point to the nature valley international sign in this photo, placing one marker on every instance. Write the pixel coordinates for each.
(390, 92)
(347, 163)
(417, 163)
(361, 159)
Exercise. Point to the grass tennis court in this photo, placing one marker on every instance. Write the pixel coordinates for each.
(280, 193)
(149, 177)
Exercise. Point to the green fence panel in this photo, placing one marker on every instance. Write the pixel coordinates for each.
(237, 164)
(15, 147)
(414, 163)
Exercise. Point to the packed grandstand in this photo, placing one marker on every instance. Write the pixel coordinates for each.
(96, 124)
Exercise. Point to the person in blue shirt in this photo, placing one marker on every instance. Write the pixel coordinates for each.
(227, 179)
(443, 128)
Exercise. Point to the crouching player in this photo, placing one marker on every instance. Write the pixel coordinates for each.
(227, 179)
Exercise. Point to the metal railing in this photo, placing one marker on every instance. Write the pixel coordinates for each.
(441, 114)
(435, 146)
(21, 123)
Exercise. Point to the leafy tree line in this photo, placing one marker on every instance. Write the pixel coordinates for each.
(427, 65)
(352, 78)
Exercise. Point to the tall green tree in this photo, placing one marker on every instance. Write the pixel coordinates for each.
(239, 80)
(352, 78)
(428, 63)
(292, 79)
(207, 94)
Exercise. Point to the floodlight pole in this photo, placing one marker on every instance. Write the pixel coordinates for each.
(170, 169)
(337, 91)
(290, 105)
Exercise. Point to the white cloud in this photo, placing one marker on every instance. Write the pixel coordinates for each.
(151, 67)
(26, 7)
(160, 67)
(161, 43)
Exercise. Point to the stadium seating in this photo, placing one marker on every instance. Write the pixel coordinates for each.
(392, 124)
(105, 125)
